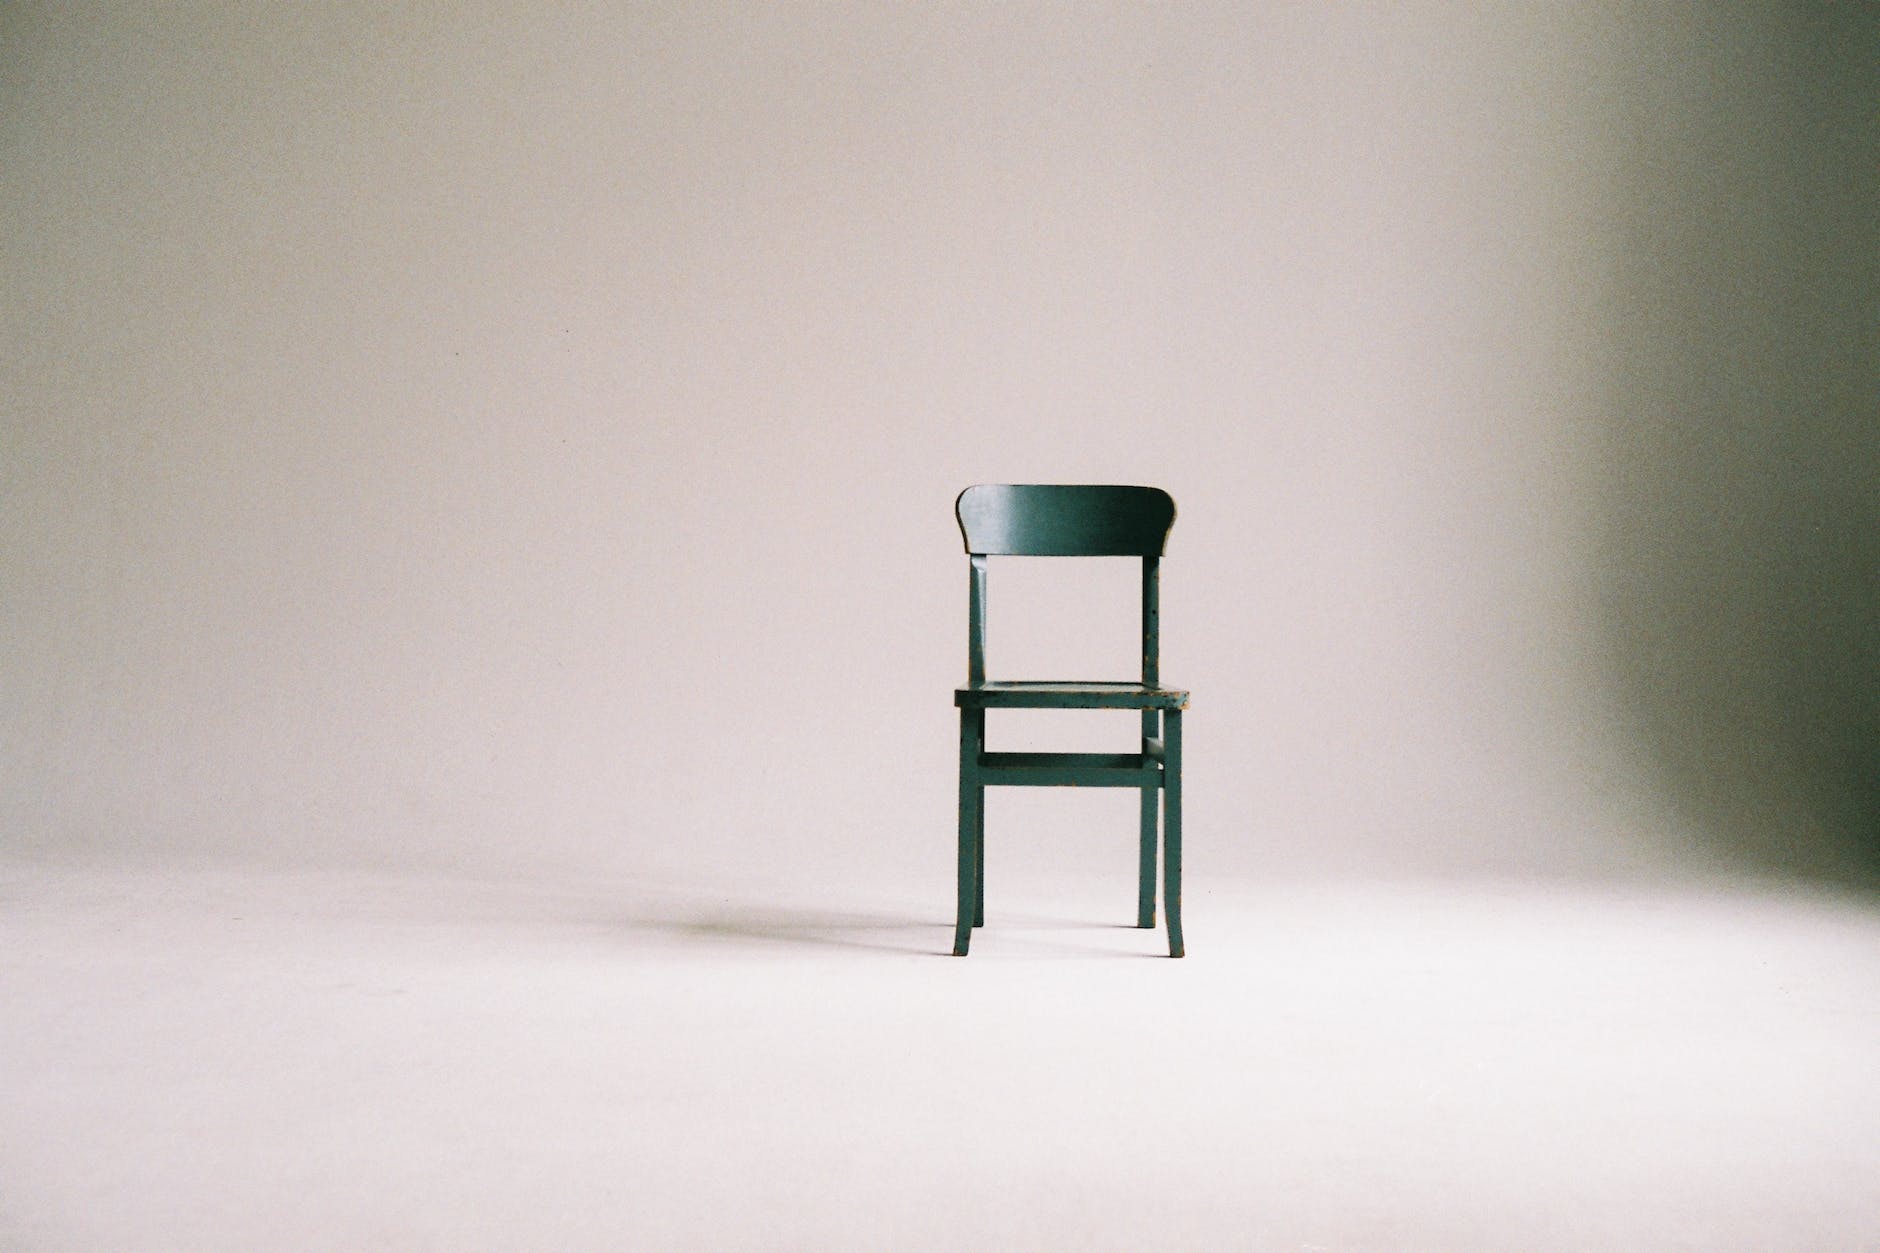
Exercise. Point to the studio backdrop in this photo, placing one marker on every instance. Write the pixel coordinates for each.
(524, 439)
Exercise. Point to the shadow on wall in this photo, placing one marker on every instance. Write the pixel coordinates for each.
(1740, 571)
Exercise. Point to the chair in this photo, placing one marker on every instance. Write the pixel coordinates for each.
(999, 520)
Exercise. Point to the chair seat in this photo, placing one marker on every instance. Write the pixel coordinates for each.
(1054, 695)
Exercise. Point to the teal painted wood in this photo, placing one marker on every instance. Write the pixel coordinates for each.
(972, 724)
(1056, 695)
(976, 624)
(1071, 521)
(979, 827)
(979, 858)
(1151, 741)
(1172, 829)
(1096, 761)
(1146, 827)
(1151, 621)
(1059, 520)
(1068, 770)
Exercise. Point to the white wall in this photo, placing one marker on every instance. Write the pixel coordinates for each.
(516, 438)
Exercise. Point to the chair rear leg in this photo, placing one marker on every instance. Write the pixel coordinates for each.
(979, 859)
(970, 724)
(1145, 870)
(1145, 867)
(1172, 828)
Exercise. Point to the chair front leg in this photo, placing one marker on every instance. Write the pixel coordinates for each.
(972, 723)
(1172, 827)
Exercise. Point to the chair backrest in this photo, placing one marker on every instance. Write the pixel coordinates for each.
(1050, 520)
(1058, 520)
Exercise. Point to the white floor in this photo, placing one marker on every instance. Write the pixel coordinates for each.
(216, 1061)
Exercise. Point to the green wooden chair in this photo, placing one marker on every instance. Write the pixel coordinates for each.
(1001, 520)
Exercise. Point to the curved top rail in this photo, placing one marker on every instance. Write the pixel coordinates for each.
(1064, 520)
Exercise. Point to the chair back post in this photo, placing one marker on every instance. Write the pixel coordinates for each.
(976, 624)
(1151, 621)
